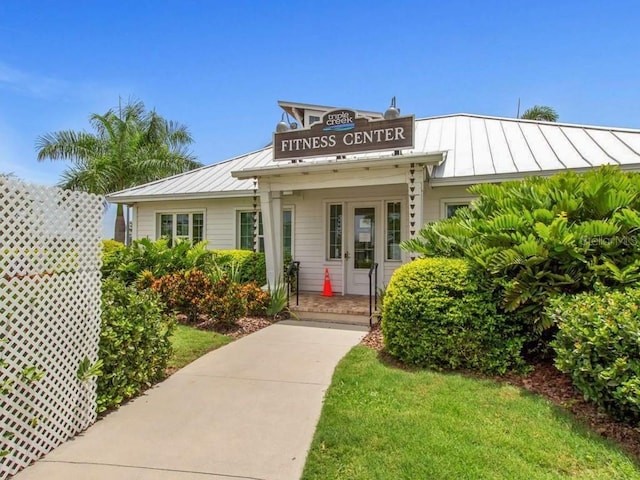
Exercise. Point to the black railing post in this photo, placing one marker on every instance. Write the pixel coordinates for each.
(297, 283)
(292, 272)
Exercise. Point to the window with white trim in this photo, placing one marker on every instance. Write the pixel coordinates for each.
(245, 231)
(450, 208)
(180, 225)
(334, 242)
(394, 232)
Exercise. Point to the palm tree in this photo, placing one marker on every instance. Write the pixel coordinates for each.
(540, 112)
(130, 146)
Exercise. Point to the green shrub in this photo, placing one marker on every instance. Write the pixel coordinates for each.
(252, 264)
(598, 345)
(278, 307)
(224, 303)
(158, 258)
(134, 343)
(540, 237)
(111, 251)
(194, 294)
(183, 292)
(256, 299)
(437, 315)
(146, 259)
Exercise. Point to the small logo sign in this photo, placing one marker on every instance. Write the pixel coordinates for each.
(339, 121)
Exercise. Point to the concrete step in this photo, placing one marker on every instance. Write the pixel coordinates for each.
(350, 319)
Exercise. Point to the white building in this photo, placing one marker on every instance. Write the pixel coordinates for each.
(350, 209)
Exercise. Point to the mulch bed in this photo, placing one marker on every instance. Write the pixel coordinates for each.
(244, 327)
(241, 328)
(546, 380)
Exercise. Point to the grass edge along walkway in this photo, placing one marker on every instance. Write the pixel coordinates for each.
(381, 422)
(189, 343)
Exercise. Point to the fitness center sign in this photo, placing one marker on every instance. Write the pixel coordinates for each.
(340, 132)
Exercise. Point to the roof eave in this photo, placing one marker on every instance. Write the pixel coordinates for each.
(130, 199)
(434, 158)
(505, 177)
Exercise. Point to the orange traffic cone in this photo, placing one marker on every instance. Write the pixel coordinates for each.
(326, 291)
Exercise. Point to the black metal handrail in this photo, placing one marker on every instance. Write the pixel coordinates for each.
(292, 274)
(373, 291)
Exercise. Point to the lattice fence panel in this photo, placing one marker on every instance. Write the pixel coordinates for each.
(49, 316)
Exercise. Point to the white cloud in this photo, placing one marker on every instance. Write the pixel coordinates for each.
(42, 86)
(31, 84)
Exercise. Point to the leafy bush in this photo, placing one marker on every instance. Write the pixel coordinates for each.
(158, 258)
(111, 252)
(145, 258)
(437, 315)
(598, 345)
(183, 292)
(224, 303)
(134, 343)
(251, 264)
(193, 294)
(539, 237)
(256, 299)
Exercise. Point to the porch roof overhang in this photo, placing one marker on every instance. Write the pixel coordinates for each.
(334, 166)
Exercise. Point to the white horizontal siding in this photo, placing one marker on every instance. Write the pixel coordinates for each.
(433, 198)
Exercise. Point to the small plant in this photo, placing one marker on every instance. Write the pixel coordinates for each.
(256, 298)
(278, 301)
(224, 303)
(184, 292)
(145, 279)
(87, 370)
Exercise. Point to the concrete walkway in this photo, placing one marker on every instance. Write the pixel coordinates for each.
(245, 411)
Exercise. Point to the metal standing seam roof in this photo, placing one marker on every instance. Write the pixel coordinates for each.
(477, 148)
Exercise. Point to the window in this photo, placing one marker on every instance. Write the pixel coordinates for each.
(393, 230)
(246, 232)
(287, 233)
(449, 206)
(313, 119)
(335, 232)
(245, 236)
(185, 226)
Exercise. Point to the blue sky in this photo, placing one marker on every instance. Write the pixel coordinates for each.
(220, 67)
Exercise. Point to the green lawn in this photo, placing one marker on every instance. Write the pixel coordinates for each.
(380, 422)
(190, 343)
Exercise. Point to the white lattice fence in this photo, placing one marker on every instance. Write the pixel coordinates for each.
(49, 316)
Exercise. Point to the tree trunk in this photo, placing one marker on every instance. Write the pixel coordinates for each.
(120, 226)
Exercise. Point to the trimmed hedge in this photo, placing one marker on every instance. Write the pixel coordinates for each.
(598, 345)
(437, 315)
(134, 343)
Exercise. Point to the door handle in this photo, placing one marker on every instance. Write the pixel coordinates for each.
(346, 255)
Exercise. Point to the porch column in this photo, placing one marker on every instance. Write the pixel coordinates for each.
(415, 184)
(271, 206)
